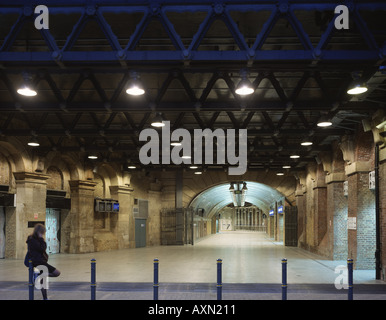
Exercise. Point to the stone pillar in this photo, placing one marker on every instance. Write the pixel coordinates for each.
(361, 207)
(31, 194)
(82, 216)
(123, 224)
(382, 208)
(336, 248)
(320, 205)
(300, 204)
(154, 221)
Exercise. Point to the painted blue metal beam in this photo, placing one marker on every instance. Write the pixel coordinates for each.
(216, 10)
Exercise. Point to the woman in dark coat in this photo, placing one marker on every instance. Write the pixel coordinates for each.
(37, 253)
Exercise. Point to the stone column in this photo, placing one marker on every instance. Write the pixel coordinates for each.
(382, 208)
(31, 194)
(123, 224)
(82, 216)
(361, 206)
(336, 217)
(320, 205)
(154, 220)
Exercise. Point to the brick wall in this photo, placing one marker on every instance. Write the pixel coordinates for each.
(382, 194)
(361, 204)
(337, 215)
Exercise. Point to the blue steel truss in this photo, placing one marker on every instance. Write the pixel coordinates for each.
(215, 10)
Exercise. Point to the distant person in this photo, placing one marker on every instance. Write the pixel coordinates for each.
(38, 255)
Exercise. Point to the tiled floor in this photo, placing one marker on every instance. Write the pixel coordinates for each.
(188, 272)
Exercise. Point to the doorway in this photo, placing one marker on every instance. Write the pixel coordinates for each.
(52, 233)
(2, 233)
(140, 233)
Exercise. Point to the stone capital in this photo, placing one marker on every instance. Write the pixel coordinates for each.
(382, 155)
(319, 184)
(31, 177)
(335, 177)
(357, 167)
(121, 190)
(82, 185)
(348, 149)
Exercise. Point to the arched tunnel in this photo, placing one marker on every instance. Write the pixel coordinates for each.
(240, 205)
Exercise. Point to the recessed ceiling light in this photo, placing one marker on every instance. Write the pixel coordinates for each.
(280, 174)
(306, 143)
(286, 167)
(132, 167)
(93, 157)
(294, 156)
(198, 172)
(193, 167)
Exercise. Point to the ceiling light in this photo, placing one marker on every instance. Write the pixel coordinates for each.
(324, 122)
(198, 172)
(92, 157)
(157, 121)
(27, 89)
(34, 143)
(306, 143)
(280, 174)
(132, 167)
(286, 167)
(357, 87)
(135, 87)
(193, 167)
(294, 156)
(244, 87)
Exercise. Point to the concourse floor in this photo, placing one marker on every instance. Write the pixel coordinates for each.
(249, 258)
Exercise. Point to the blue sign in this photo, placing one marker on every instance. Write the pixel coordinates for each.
(280, 209)
(271, 212)
(116, 207)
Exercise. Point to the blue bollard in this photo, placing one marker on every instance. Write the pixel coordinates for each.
(93, 279)
(219, 279)
(350, 279)
(284, 279)
(31, 285)
(155, 283)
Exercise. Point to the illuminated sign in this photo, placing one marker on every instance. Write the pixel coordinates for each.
(271, 212)
(280, 209)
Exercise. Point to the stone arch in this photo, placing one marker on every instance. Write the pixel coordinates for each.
(5, 171)
(100, 187)
(68, 168)
(217, 197)
(55, 181)
(17, 156)
(194, 184)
